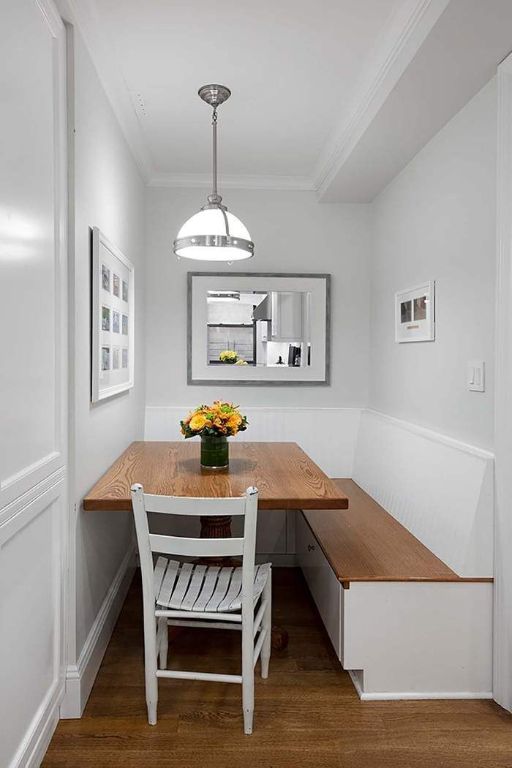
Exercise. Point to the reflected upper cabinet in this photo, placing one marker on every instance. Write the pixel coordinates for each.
(258, 328)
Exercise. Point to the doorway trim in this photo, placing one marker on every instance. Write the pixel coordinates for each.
(502, 668)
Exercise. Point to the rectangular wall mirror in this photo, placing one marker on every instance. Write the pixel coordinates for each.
(258, 328)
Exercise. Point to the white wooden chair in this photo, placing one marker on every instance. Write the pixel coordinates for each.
(193, 595)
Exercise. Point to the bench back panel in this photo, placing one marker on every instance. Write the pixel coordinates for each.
(439, 489)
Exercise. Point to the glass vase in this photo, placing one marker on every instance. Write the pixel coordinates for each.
(214, 452)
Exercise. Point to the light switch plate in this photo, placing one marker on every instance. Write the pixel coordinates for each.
(476, 376)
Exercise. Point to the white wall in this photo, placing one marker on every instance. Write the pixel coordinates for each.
(437, 221)
(33, 378)
(292, 233)
(109, 193)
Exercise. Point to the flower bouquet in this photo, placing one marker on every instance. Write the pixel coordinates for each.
(228, 356)
(214, 424)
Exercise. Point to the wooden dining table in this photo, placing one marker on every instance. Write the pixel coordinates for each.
(285, 476)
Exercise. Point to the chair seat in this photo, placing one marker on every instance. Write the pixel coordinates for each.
(203, 588)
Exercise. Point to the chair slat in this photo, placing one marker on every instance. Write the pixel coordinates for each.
(196, 582)
(220, 590)
(260, 577)
(181, 586)
(191, 547)
(207, 591)
(159, 573)
(234, 590)
(194, 506)
(168, 583)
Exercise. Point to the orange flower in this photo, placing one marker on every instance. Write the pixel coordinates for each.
(234, 421)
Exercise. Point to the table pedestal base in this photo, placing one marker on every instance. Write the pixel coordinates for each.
(215, 527)
(220, 528)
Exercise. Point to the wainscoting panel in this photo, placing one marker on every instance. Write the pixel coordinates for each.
(31, 609)
(328, 435)
(437, 487)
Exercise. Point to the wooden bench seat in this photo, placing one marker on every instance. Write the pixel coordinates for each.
(402, 623)
(366, 543)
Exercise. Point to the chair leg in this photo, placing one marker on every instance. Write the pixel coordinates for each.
(267, 626)
(150, 667)
(248, 678)
(163, 634)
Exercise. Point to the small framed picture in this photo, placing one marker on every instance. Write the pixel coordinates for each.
(105, 358)
(105, 318)
(105, 278)
(112, 321)
(415, 313)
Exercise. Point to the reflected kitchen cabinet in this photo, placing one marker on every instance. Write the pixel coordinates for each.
(286, 314)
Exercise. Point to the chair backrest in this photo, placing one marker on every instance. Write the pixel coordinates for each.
(185, 546)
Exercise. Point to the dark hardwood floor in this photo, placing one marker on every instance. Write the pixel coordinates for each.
(307, 712)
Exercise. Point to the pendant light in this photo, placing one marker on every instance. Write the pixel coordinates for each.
(214, 234)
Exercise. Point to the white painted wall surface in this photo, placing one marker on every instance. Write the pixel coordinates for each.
(33, 378)
(437, 221)
(109, 194)
(292, 233)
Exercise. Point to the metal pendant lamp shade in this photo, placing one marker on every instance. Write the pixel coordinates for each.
(214, 234)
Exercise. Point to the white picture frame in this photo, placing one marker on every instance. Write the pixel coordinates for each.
(112, 321)
(415, 313)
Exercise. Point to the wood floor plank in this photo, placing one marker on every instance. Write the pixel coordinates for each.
(307, 715)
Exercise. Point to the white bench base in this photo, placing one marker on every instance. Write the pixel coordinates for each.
(404, 640)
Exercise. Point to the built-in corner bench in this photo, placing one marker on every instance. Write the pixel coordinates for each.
(403, 622)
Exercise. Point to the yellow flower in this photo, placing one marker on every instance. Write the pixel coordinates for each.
(228, 356)
(197, 422)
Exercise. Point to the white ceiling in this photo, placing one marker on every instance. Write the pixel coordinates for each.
(293, 67)
(311, 82)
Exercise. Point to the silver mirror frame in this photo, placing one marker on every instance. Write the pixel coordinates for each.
(267, 382)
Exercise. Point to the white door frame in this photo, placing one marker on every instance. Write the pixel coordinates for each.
(502, 684)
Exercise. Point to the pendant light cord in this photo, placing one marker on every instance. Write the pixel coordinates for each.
(214, 131)
(215, 197)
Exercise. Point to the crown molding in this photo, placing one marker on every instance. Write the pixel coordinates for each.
(51, 16)
(406, 31)
(234, 181)
(83, 15)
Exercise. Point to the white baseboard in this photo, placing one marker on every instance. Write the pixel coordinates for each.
(413, 695)
(32, 749)
(80, 677)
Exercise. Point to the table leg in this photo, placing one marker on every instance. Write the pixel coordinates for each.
(220, 528)
(215, 527)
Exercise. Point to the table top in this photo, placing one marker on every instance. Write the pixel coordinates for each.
(285, 476)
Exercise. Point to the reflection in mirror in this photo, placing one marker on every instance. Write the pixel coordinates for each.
(258, 328)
